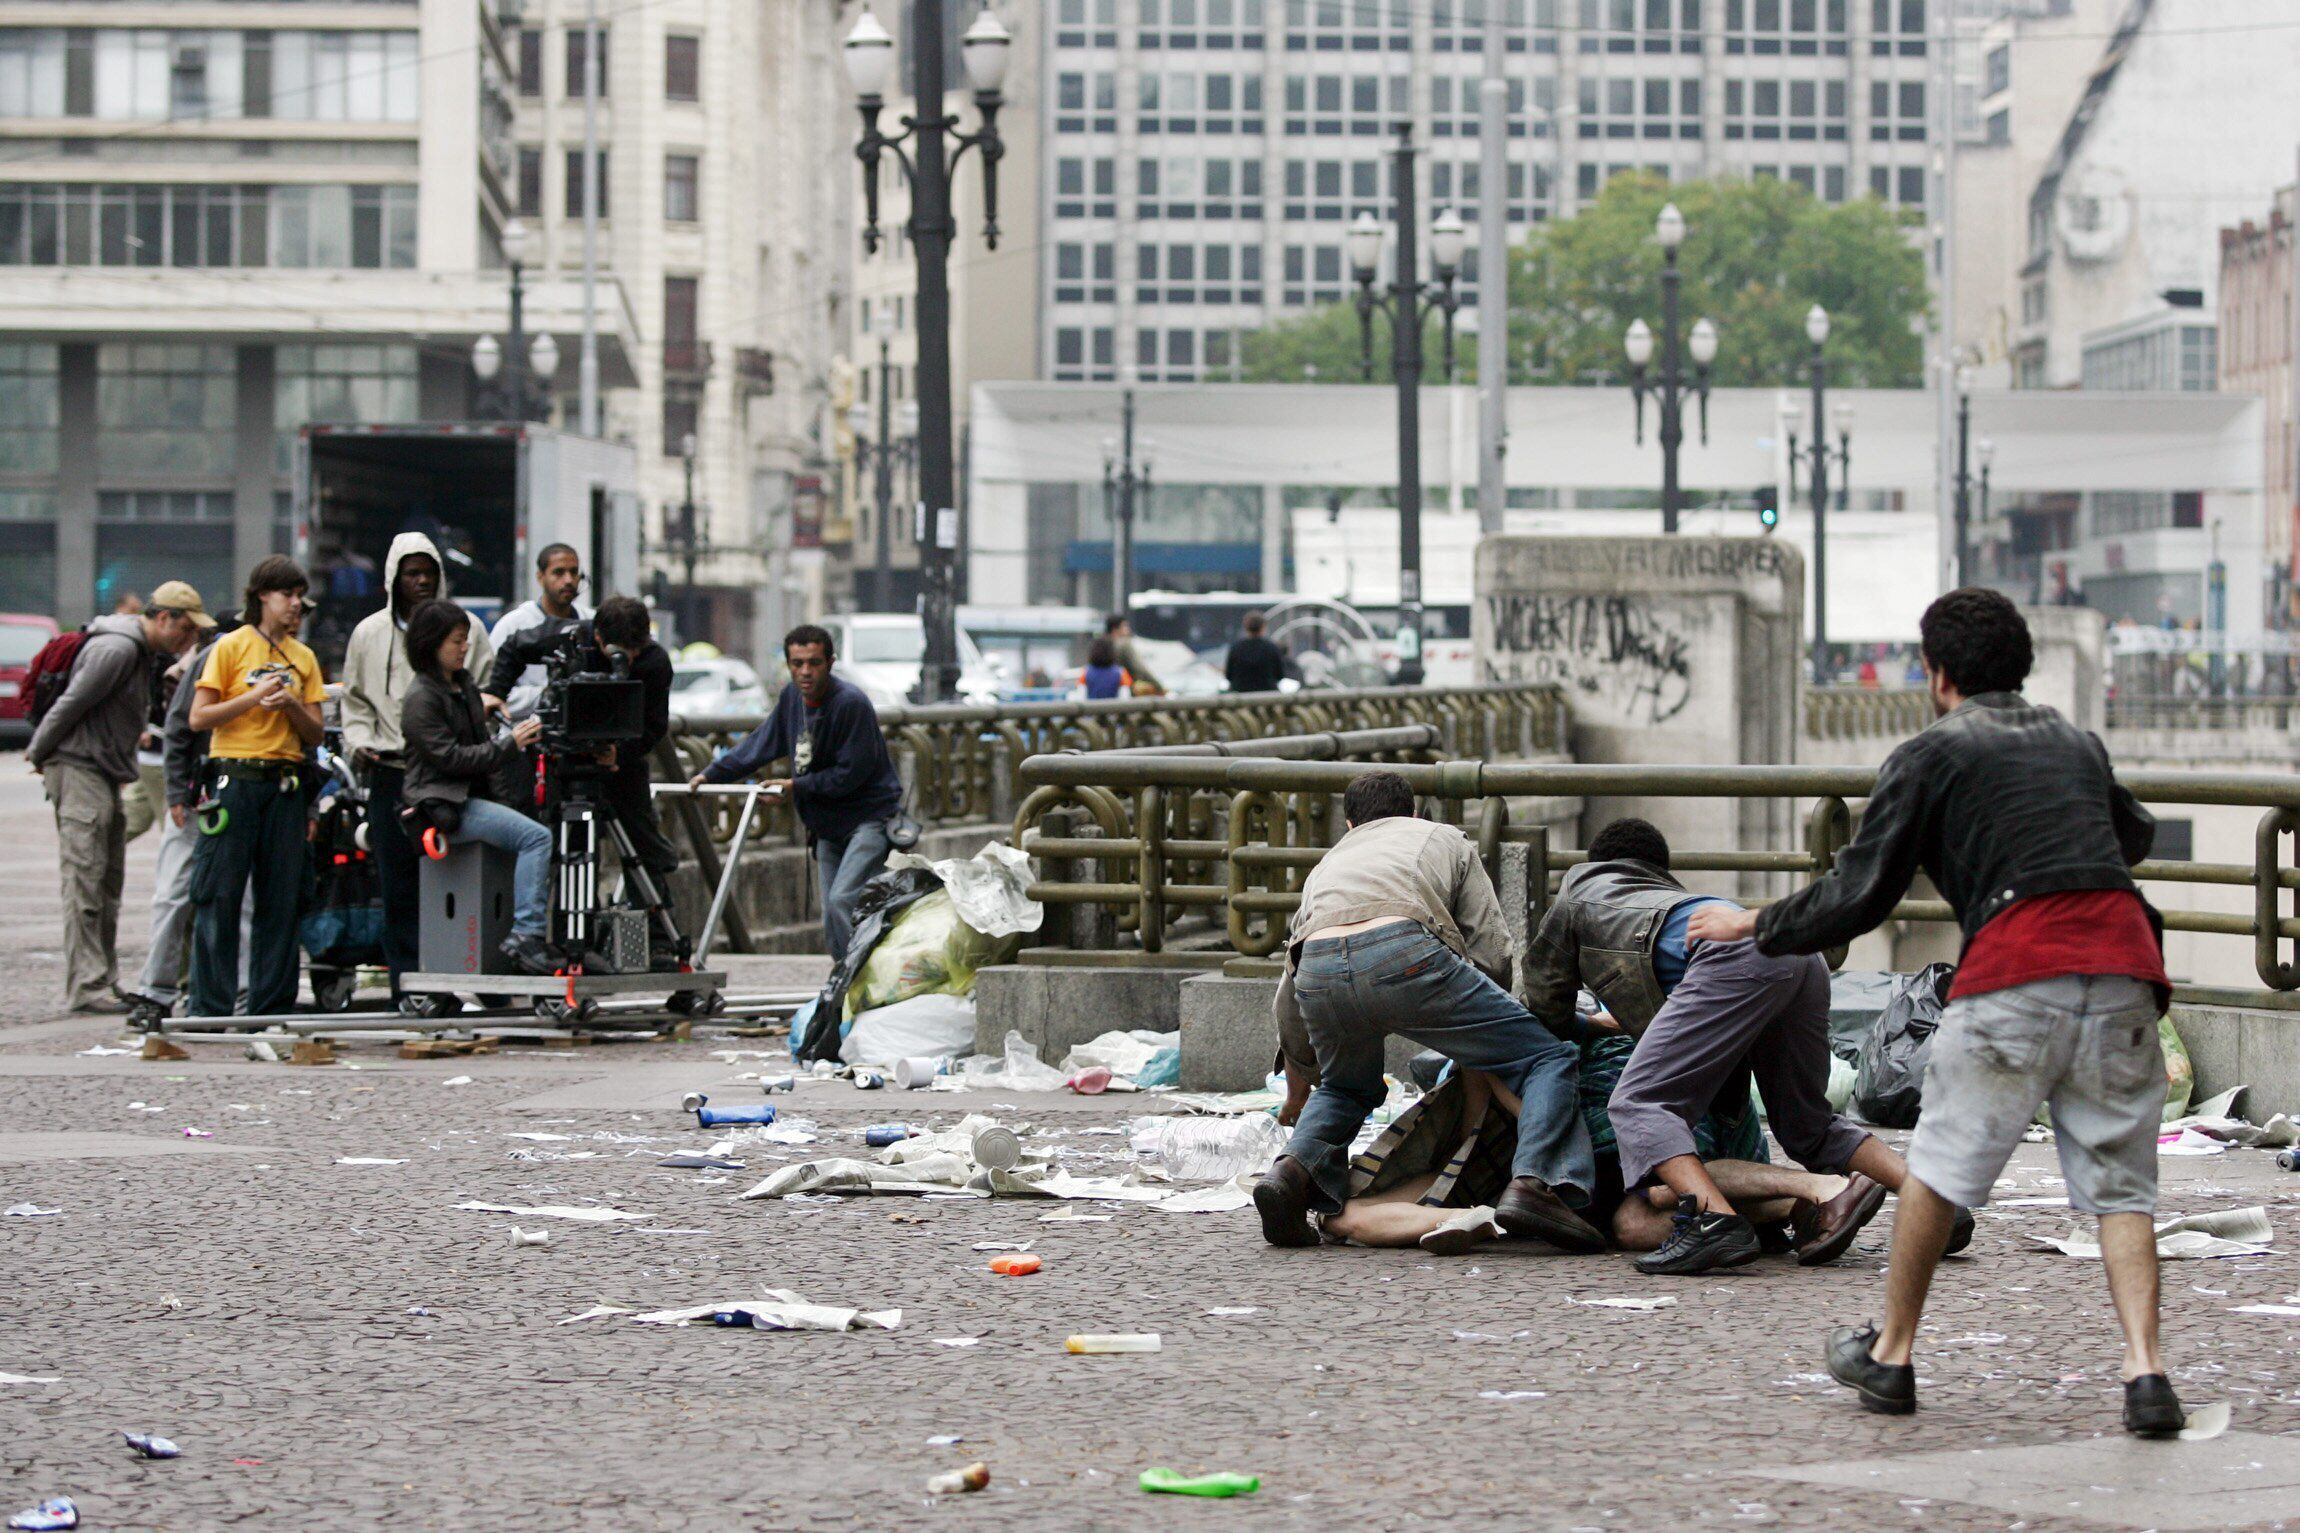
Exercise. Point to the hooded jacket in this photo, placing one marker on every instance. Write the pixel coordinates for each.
(98, 717)
(376, 675)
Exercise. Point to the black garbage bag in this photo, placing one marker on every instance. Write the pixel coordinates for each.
(1889, 1080)
(886, 896)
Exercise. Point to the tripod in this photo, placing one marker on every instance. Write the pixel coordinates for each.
(567, 793)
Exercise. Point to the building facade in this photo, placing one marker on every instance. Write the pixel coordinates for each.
(2257, 357)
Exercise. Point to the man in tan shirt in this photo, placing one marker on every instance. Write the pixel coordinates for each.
(1400, 932)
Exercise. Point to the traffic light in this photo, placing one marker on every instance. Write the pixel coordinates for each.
(1768, 506)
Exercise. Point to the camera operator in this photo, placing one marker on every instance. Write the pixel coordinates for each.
(623, 628)
(451, 763)
(842, 779)
(376, 681)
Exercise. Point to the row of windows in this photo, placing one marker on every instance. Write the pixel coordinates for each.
(682, 64)
(682, 184)
(1174, 354)
(207, 226)
(151, 74)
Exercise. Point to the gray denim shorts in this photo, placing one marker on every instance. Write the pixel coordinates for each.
(2087, 1044)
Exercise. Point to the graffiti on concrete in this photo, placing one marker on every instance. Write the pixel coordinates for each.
(1619, 652)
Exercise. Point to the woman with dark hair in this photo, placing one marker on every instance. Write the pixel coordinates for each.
(1104, 676)
(451, 761)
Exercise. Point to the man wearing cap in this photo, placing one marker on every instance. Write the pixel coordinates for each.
(85, 751)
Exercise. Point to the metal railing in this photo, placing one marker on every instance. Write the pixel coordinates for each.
(1866, 713)
(2267, 715)
(1237, 838)
(961, 762)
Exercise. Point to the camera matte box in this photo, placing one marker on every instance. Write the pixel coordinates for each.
(466, 911)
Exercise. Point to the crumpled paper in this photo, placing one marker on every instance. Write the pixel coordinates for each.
(2195, 1237)
(779, 1309)
(557, 1211)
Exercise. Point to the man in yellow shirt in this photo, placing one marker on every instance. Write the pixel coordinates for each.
(259, 693)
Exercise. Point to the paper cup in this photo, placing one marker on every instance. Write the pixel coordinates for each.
(917, 1072)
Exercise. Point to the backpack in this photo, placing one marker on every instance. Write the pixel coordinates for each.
(51, 671)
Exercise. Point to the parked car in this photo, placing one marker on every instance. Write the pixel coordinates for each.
(706, 688)
(22, 635)
(880, 653)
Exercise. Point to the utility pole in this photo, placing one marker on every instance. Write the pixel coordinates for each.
(587, 367)
(1492, 281)
(1941, 219)
(1122, 481)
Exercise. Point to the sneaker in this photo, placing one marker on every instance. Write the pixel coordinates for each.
(1282, 1198)
(1462, 1229)
(530, 953)
(1529, 1206)
(1826, 1230)
(2151, 1409)
(1778, 1237)
(1701, 1242)
(1886, 1388)
(1960, 1233)
(102, 1006)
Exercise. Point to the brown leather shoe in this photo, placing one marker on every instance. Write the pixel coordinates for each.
(1529, 1207)
(1825, 1230)
(1282, 1198)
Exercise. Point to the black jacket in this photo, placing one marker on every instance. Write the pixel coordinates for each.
(1254, 664)
(1999, 801)
(451, 757)
(1600, 931)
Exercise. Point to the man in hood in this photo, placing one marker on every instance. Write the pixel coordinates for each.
(376, 681)
(85, 751)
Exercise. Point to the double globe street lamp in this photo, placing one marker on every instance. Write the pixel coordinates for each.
(929, 167)
(1408, 303)
(525, 391)
(1671, 388)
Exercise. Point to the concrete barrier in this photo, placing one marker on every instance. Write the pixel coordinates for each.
(2231, 1046)
(1057, 1008)
(1230, 1034)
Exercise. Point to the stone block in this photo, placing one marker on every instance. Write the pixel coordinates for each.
(1230, 1035)
(2233, 1046)
(1056, 1009)
(2214, 1038)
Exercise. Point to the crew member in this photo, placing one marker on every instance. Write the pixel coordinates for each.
(842, 779)
(259, 696)
(554, 609)
(376, 681)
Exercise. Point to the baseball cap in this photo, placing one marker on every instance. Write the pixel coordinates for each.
(177, 596)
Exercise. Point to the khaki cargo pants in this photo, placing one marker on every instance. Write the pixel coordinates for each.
(92, 845)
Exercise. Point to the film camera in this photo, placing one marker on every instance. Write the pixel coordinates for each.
(583, 708)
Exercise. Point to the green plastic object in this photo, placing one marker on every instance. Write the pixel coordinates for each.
(1167, 1482)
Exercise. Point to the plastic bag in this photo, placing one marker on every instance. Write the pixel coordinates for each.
(884, 898)
(1123, 1053)
(929, 950)
(929, 1026)
(1020, 1070)
(2179, 1072)
(1889, 1082)
(991, 888)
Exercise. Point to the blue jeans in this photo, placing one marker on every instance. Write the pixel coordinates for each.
(507, 830)
(844, 867)
(1355, 991)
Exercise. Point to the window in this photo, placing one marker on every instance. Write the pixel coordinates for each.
(207, 226)
(28, 408)
(682, 414)
(575, 183)
(337, 76)
(32, 72)
(167, 409)
(530, 61)
(682, 67)
(530, 182)
(1999, 70)
(682, 352)
(350, 383)
(575, 85)
(682, 193)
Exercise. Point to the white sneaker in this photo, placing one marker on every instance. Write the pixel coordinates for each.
(1462, 1230)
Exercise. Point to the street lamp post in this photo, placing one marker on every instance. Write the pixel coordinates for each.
(930, 166)
(897, 444)
(1408, 303)
(1964, 508)
(1672, 387)
(687, 538)
(1123, 479)
(525, 392)
(1822, 456)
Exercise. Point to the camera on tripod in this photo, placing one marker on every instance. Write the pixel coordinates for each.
(584, 709)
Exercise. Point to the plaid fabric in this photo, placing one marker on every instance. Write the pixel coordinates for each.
(1470, 1151)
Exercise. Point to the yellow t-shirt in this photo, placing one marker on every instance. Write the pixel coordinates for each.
(258, 734)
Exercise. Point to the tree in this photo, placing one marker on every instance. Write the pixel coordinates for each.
(1323, 346)
(1757, 255)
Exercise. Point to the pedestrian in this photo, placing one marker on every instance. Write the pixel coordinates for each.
(2017, 817)
(1705, 1016)
(1399, 931)
(377, 678)
(451, 765)
(1254, 663)
(558, 577)
(84, 748)
(1120, 633)
(259, 696)
(1104, 677)
(842, 780)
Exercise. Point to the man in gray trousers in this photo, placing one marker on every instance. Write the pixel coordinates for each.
(1707, 1016)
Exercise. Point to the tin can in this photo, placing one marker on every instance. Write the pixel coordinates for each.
(997, 1147)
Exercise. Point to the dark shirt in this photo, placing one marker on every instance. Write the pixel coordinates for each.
(1255, 665)
(841, 775)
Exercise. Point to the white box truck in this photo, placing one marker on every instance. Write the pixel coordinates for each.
(489, 494)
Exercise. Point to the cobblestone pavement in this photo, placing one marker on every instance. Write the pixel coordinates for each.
(338, 1345)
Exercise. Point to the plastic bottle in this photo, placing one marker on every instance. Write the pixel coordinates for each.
(1018, 1264)
(707, 1116)
(880, 1135)
(1104, 1345)
(1091, 1081)
(1219, 1484)
(1217, 1149)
